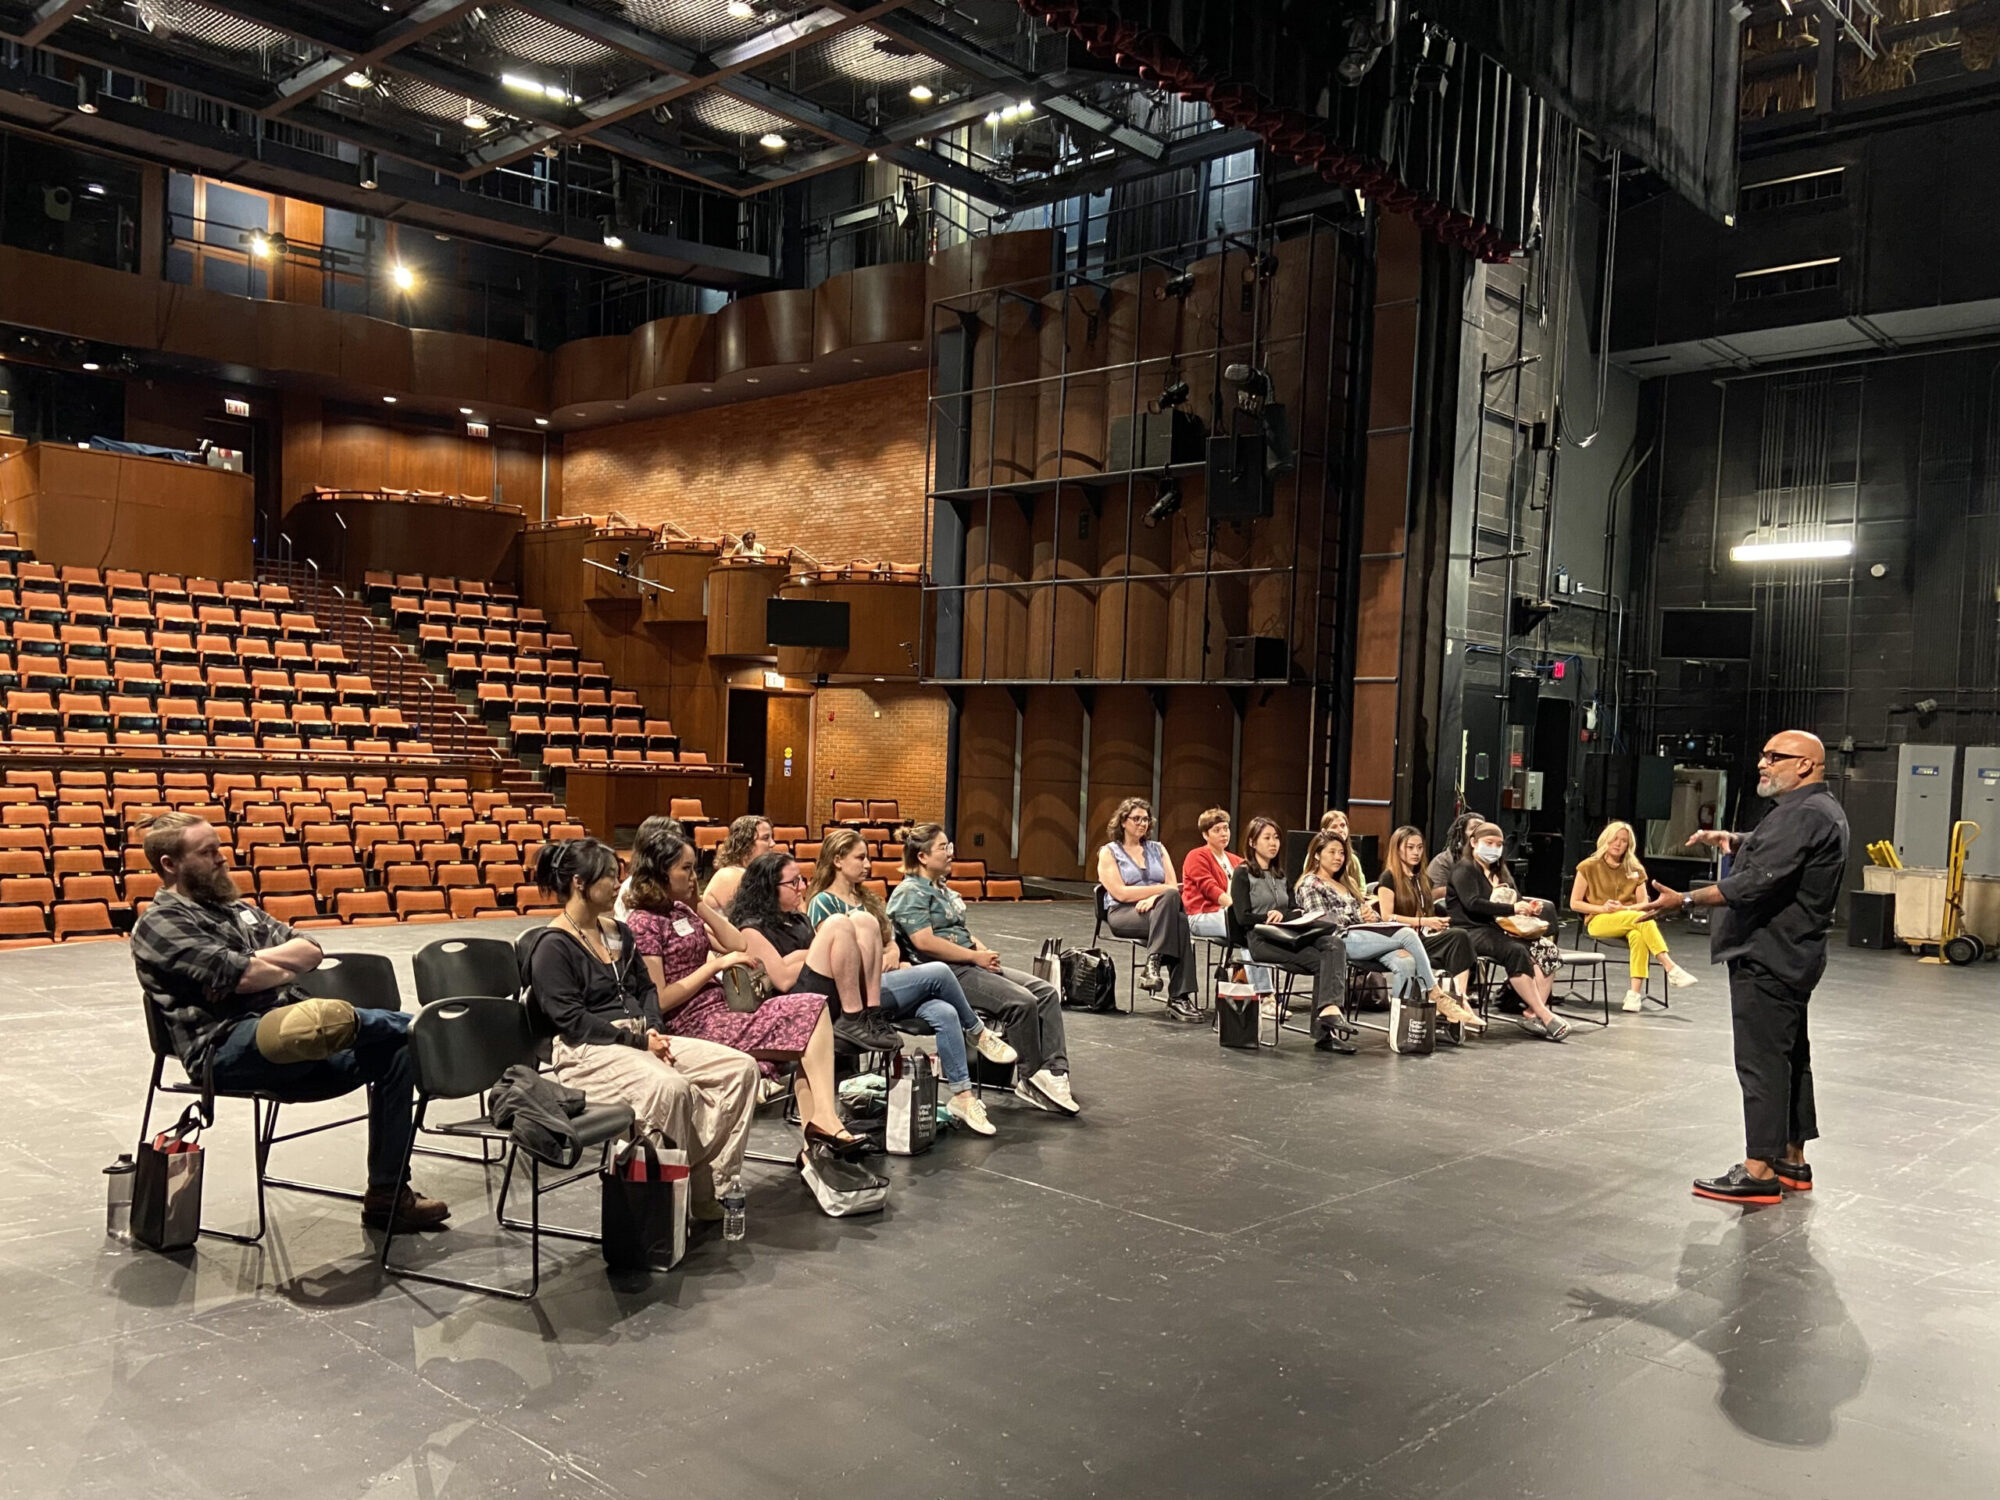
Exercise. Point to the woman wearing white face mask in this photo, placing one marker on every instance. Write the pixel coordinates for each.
(1480, 892)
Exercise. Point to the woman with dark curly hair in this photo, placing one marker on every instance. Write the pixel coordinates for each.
(769, 910)
(687, 943)
(1142, 901)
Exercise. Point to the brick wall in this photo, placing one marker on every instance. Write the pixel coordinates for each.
(879, 742)
(838, 470)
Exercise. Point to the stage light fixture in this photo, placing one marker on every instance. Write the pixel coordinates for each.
(1165, 502)
(404, 278)
(1753, 550)
(86, 95)
(1173, 393)
(260, 244)
(367, 172)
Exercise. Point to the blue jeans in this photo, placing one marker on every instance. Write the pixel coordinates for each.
(931, 993)
(379, 1058)
(1215, 925)
(1403, 954)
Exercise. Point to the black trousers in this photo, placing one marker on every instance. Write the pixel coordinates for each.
(1325, 959)
(1773, 1061)
(1164, 930)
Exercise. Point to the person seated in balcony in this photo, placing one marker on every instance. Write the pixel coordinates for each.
(223, 975)
(749, 836)
(1609, 890)
(931, 916)
(769, 910)
(687, 944)
(591, 992)
(928, 991)
(1403, 895)
(1142, 902)
(1481, 893)
(747, 546)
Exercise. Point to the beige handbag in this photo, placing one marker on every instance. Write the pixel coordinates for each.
(1525, 928)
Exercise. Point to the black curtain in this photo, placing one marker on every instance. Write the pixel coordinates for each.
(1655, 78)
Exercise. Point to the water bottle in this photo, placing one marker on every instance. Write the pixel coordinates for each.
(118, 1180)
(733, 1225)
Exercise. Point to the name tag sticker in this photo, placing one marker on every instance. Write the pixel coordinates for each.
(683, 927)
(247, 917)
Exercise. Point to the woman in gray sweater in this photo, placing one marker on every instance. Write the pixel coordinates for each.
(1258, 894)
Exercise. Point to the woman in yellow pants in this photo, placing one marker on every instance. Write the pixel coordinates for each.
(1610, 886)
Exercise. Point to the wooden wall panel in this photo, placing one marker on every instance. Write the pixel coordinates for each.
(589, 370)
(990, 260)
(1277, 729)
(671, 351)
(771, 328)
(448, 366)
(88, 509)
(1121, 755)
(376, 355)
(882, 616)
(872, 305)
(986, 778)
(1194, 763)
(1051, 773)
(401, 536)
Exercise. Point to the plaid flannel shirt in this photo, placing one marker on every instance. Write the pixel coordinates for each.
(191, 955)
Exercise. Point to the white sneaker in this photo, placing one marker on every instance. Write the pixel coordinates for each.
(970, 1112)
(993, 1049)
(1634, 1000)
(1055, 1088)
(1680, 979)
(1027, 1093)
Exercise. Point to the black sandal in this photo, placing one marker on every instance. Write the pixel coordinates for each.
(848, 1146)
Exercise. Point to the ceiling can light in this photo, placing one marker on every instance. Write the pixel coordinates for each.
(770, 140)
(1753, 550)
(921, 92)
(366, 175)
(390, 399)
(541, 421)
(86, 95)
(465, 411)
(92, 365)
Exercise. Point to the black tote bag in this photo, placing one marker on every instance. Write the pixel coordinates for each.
(645, 1204)
(166, 1191)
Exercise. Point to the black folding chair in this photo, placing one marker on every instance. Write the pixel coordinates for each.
(459, 1048)
(1133, 947)
(453, 968)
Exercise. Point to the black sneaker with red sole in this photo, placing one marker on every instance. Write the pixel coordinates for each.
(1738, 1186)
(1795, 1175)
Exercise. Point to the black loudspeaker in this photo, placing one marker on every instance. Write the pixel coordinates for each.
(1655, 798)
(1524, 696)
(1162, 438)
(1297, 840)
(1237, 487)
(1871, 919)
(1257, 658)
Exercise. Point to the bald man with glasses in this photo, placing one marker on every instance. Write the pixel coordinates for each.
(1776, 909)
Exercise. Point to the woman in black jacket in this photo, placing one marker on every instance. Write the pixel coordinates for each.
(590, 988)
(1259, 894)
(1481, 892)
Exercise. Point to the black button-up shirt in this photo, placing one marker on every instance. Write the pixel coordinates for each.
(1781, 888)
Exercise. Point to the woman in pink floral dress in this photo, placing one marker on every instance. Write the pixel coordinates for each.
(686, 944)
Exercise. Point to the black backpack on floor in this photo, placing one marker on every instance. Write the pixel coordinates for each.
(1089, 980)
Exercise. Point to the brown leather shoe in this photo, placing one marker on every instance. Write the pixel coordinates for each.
(408, 1209)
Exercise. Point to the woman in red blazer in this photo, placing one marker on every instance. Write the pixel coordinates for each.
(1205, 888)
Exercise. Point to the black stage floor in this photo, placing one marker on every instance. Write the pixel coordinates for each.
(1473, 1274)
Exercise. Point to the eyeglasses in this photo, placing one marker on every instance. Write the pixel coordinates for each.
(1772, 757)
(798, 880)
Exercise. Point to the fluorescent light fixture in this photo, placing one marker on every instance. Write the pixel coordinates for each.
(1024, 108)
(921, 92)
(92, 365)
(1824, 547)
(404, 277)
(521, 84)
(465, 411)
(358, 80)
(993, 118)
(390, 399)
(770, 140)
(95, 189)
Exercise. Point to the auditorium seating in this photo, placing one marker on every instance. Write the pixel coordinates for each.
(123, 665)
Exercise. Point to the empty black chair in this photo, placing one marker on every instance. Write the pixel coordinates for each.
(459, 1048)
(366, 981)
(454, 968)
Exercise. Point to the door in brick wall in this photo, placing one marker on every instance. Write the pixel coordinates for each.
(787, 764)
(747, 717)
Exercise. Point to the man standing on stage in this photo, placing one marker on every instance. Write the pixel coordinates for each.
(1777, 907)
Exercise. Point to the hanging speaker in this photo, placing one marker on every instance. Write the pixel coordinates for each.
(1237, 488)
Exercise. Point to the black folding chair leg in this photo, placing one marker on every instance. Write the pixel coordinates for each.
(512, 1294)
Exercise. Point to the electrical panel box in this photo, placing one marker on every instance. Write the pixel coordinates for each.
(1926, 796)
(1980, 803)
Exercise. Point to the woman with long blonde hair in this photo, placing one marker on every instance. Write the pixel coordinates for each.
(1609, 889)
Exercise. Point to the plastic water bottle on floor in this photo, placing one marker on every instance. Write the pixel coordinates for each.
(119, 1178)
(733, 1225)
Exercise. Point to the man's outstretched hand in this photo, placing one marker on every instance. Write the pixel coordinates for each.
(1667, 900)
